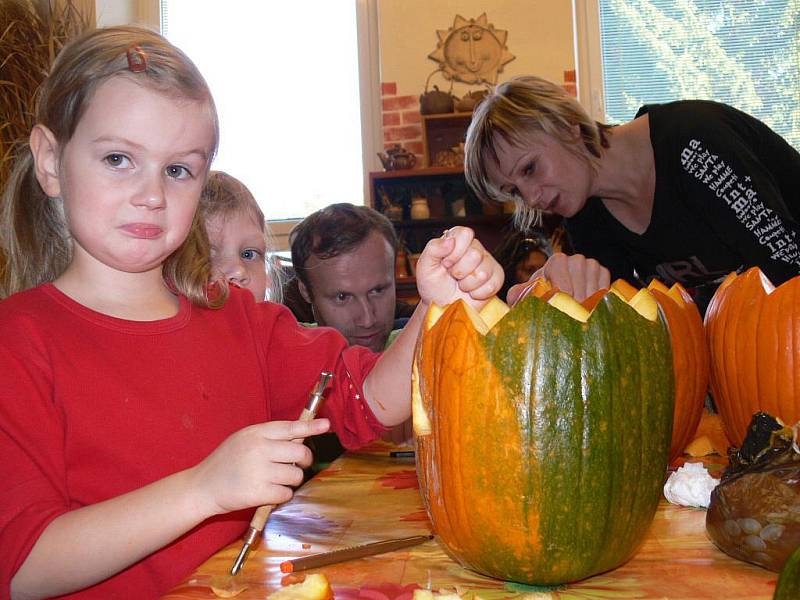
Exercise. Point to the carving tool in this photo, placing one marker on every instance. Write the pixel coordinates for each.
(336, 556)
(261, 515)
(402, 454)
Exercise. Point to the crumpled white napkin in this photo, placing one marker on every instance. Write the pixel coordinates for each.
(690, 485)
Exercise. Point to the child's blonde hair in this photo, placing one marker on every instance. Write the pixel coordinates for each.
(223, 196)
(33, 232)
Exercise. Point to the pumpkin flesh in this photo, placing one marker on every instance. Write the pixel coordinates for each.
(548, 437)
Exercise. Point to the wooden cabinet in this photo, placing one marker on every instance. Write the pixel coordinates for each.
(450, 202)
(449, 199)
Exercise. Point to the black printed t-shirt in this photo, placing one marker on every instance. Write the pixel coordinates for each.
(727, 197)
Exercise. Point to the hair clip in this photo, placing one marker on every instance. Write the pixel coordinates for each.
(137, 62)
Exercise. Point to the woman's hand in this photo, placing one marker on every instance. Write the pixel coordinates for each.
(457, 266)
(575, 274)
(257, 465)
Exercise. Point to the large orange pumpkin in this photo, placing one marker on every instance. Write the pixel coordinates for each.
(753, 334)
(690, 359)
(542, 432)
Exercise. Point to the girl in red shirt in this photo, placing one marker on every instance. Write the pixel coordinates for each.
(142, 413)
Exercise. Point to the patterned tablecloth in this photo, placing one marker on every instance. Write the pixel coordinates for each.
(368, 496)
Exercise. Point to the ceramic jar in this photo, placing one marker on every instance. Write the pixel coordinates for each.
(420, 209)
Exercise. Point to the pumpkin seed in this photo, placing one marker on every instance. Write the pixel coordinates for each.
(750, 526)
(753, 542)
(771, 532)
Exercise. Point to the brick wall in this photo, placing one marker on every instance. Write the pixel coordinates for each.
(402, 122)
(570, 83)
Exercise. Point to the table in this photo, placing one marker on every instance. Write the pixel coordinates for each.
(368, 496)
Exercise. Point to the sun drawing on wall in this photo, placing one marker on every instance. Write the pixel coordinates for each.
(471, 51)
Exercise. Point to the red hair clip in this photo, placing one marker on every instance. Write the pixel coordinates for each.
(137, 62)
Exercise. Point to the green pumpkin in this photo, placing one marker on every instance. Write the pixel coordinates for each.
(542, 445)
(788, 587)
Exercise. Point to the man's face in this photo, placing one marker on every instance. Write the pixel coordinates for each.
(355, 292)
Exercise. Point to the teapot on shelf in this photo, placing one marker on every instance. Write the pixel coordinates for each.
(436, 101)
(396, 158)
(469, 101)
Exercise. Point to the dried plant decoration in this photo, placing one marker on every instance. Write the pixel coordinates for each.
(31, 34)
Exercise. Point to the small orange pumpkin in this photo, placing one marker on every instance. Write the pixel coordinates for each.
(690, 358)
(753, 331)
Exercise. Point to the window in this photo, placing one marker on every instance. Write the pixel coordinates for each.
(286, 80)
(744, 53)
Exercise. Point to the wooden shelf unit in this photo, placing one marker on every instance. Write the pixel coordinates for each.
(442, 132)
(442, 186)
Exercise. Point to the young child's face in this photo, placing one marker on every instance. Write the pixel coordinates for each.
(238, 250)
(527, 267)
(131, 175)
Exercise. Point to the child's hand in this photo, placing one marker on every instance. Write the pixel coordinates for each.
(457, 266)
(256, 465)
(577, 275)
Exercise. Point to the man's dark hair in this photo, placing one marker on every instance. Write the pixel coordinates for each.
(334, 230)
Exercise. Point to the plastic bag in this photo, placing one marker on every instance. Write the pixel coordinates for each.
(754, 513)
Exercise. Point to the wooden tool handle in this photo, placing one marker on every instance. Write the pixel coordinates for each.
(260, 517)
(306, 415)
(262, 513)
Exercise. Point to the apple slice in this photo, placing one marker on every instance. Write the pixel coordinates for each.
(314, 587)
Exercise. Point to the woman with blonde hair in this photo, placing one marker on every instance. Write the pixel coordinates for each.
(687, 191)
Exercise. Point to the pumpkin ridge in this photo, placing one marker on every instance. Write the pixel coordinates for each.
(621, 412)
(623, 481)
(690, 361)
(725, 395)
(747, 375)
(729, 366)
(447, 444)
(601, 516)
(785, 395)
(647, 496)
(767, 334)
(560, 522)
(427, 444)
(643, 495)
(533, 484)
(507, 340)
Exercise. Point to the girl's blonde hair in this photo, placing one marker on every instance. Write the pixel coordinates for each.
(33, 232)
(513, 112)
(224, 196)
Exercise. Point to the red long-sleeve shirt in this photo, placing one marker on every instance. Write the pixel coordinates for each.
(93, 406)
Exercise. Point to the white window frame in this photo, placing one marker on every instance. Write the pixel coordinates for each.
(589, 57)
(148, 13)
